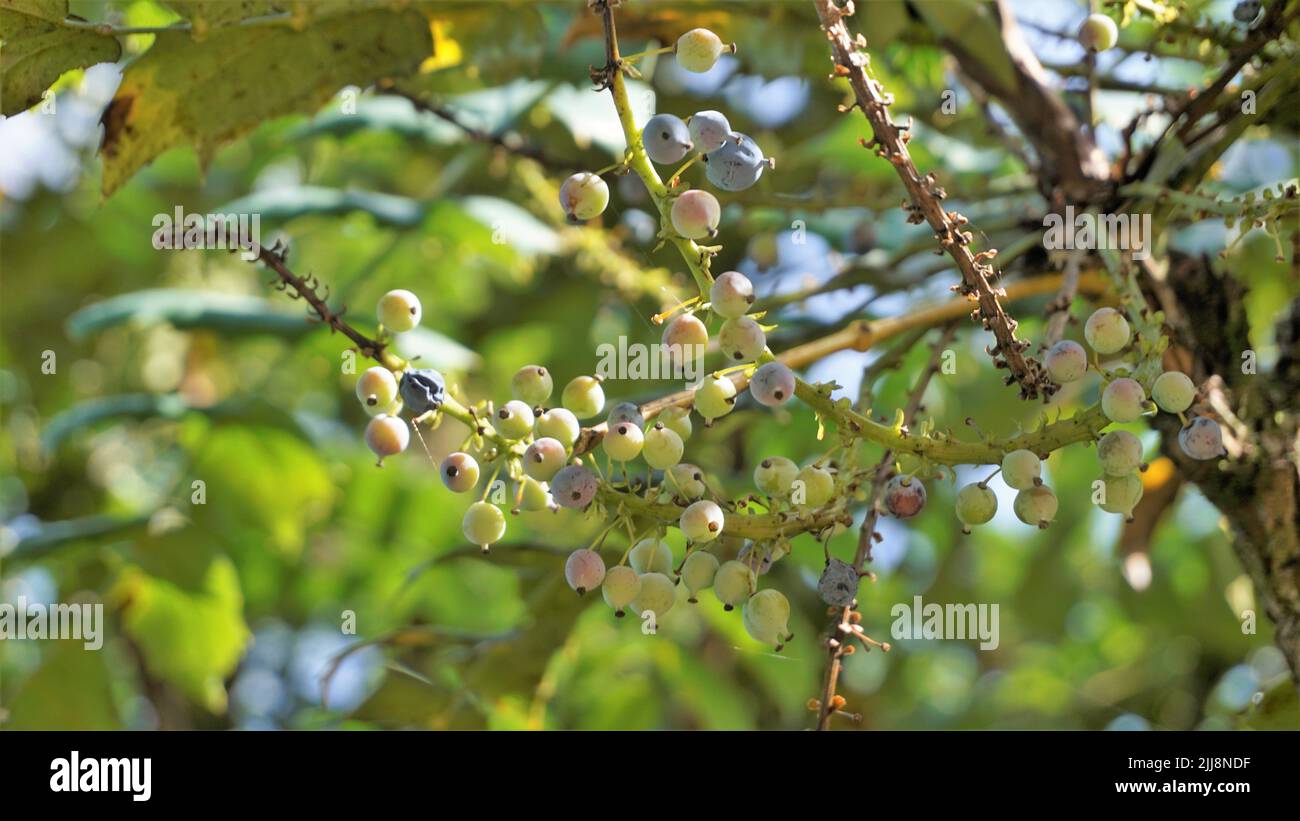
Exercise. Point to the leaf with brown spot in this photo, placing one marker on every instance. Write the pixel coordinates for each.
(38, 49)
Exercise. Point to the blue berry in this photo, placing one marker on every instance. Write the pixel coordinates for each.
(422, 391)
(709, 130)
(625, 412)
(772, 384)
(574, 487)
(737, 164)
(666, 139)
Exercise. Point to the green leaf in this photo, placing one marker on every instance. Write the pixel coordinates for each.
(192, 639)
(513, 225)
(971, 24)
(183, 308)
(38, 49)
(181, 92)
(205, 15)
(286, 203)
(70, 691)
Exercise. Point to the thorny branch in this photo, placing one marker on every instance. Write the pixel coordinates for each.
(890, 142)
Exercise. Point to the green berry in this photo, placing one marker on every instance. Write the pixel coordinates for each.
(1107, 331)
(544, 458)
(702, 521)
(697, 573)
(1021, 469)
(1122, 494)
(1036, 506)
(716, 397)
(1173, 391)
(483, 524)
(399, 311)
(459, 472)
(695, 214)
(818, 486)
(1120, 453)
(584, 196)
(621, 586)
(623, 442)
(514, 420)
(532, 384)
(584, 570)
(658, 594)
(733, 584)
(765, 250)
(559, 424)
(584, 396)
(677, 420)
(663, 447)
(688, 480)
(767, 616)
(742, 339)
(698, 50)
(651, 556)
(387, 435)
(1123, 400)
(535, 496)
(1067, 361)
(377, 390)
(732, 295)
(775, 475)
(976, 505)
(1098, 33)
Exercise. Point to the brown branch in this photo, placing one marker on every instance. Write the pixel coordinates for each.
(890, 142)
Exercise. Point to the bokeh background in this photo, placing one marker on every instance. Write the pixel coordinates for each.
(177, 366)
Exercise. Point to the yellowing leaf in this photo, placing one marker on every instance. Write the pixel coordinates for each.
(38, 48)
(181, 92)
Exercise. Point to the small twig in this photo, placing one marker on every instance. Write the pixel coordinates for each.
(507, 141)
(1058, 310)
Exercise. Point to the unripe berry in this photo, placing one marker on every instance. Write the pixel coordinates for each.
(1173, 391)
(666, 139)
(1067, 361)
(737, 165)
(774, 476)
(904, 496)
(651, 556)
(387, 435)
(678, 420)
(702, 521)
(1122, 494)
(377, 390)
(584, 570)
(1021, 469)
(742, 339)
(765, 250)
(772, 384)
(574, 487)
(621, 586)
(818, 486)
(535, 496)
(459, 472)
(716, 397)
(623, 442)
(1120, 453)
(1098, 33)
(559, 424)
(584, 396)
(976, 505)
(688, 480)
(1036, 506)
(1202, 439)
(625, 412)
(663, 448)
(695, 214)
(732, 295)
(733, 584)
(1106, 331)
(685, 337)
(544, 458)
(658, 594)
(532, 384)
(584, 196)
(513, 420)
(838, 585)
(1123, 400)
(766, 617)
(709, 130)
(698, 49)
(399, 311)
(483, 524)
(697, 573)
